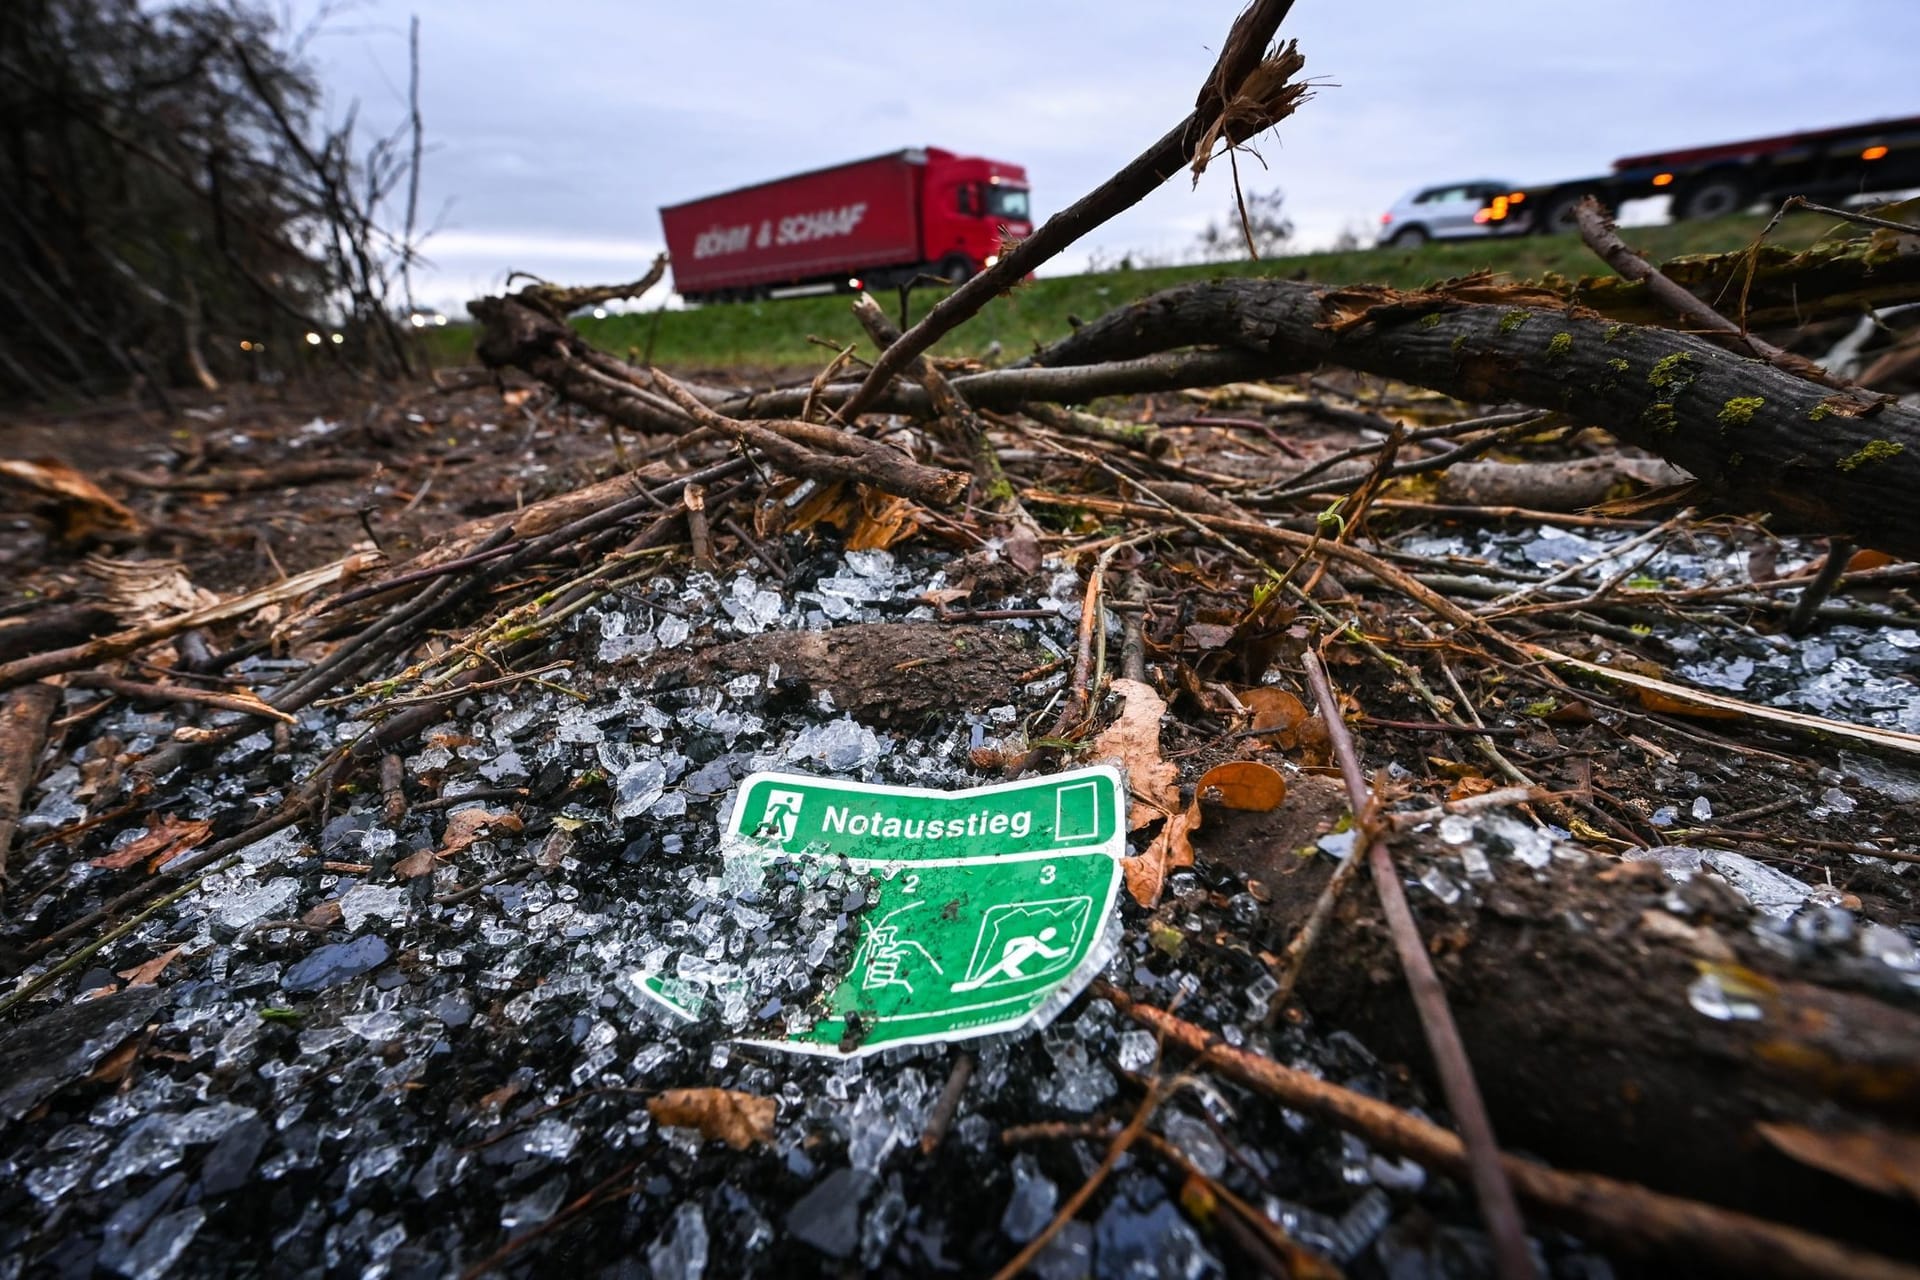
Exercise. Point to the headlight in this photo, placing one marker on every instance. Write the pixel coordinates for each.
(993, 259)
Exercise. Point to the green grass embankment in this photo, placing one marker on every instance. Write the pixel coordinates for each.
(776, 334)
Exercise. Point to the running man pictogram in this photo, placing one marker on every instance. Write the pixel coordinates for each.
(1016, 952)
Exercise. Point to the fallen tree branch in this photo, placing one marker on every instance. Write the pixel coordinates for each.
(1849, 215)
(252, 479)
(1755, 437)
(1597, 229)
(244, 704)
(1239, 58)
(1631, 1218)
(1831, 280)
(995, 490)
(522, 330)
(1256, 531)
(122, 644)
(1013, 388)
(1880, 741)
(561, 301)
(826, 453)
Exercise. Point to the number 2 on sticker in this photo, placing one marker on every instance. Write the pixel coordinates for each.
(1048, 872)
(910, 884)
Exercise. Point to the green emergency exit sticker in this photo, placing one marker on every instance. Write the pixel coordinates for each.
(994, 905)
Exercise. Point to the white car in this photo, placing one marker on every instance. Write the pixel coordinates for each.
(1450, 211)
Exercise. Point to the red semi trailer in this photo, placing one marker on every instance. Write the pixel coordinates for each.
(868, 224)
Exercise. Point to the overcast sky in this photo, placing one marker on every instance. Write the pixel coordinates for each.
(559, 128)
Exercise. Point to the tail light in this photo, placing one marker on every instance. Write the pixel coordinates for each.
(1386, 219)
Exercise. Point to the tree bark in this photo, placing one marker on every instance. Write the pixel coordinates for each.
(1571, 985)
(53, 627)
(1755, 437)
(1828, 281)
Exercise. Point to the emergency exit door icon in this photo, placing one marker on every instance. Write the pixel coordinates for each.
(1076, 813)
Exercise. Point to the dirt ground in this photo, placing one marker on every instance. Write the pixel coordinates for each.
(1576, 977)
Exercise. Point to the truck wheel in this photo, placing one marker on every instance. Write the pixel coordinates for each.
(1558, 215)
(1713, 196)
(956, 271)
(1409, 237)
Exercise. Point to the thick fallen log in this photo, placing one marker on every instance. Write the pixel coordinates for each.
(1659, 1231)
(1576, 992)
(1755, 437)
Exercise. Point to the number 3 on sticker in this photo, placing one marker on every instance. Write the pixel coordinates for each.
(1048, 872)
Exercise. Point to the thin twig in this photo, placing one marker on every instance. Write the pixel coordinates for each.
(1497, 1205)
(1115, 1149)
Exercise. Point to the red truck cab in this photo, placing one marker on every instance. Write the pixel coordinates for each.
(871, 223)
(970, 207)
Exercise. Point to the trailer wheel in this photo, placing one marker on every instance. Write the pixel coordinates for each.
(1713, 196)
(1558, 215)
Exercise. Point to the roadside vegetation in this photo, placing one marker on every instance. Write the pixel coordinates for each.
(777, 334)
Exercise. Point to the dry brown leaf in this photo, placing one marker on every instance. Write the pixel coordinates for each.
(1134, 739)
(167, 838)
(325, 915)
(145, 975)
(1242, 784)
(1022, 548)
(1880, 1160)
(735, 1118)
(499, 1098)
(1866, 558)
(114, 1067)
(1278, 712)
(80, 508)
(468, 825)
(1473, 784)
(143, 592)
(1666, 704)
(1208, 635)
(1171, 848)
(414, 865)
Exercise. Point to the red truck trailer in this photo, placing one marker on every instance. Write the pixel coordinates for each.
(871, 223)
(1855, 159)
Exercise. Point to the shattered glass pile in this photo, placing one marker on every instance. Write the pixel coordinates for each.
(1853, 669)
(455, 1062)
